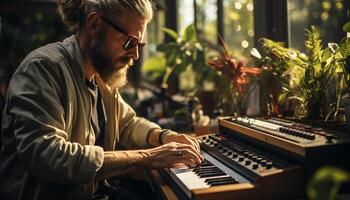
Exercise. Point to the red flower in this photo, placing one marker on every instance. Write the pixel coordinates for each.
(235, 71)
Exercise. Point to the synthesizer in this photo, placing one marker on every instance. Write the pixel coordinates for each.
(258, 158)
(307, 145)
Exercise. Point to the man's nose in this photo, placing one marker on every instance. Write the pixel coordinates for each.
(134, 53)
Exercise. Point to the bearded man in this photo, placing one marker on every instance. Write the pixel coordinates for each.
(65, 127)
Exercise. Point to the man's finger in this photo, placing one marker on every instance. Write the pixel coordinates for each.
(191, 153)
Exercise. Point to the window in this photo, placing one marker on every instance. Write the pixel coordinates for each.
(186, 14)
(328, 15)
(155, 34)
(238, 25)
(206, 16)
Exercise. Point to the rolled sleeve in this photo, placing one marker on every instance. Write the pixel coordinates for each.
(134, 130)
(93, 162)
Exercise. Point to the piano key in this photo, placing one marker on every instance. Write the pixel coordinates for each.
(189, 180)
(212, 174)
(226, 182)
(206, 163)
(208, 174)
(218, 179)
(206, 170)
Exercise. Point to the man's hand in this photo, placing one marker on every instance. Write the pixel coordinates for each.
(170, 155)
(181, 138)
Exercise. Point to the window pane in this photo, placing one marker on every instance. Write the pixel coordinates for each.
(239, 27)
(155, 33)
(328, 15)
(207, 18)
(186, 14)
(152, 65)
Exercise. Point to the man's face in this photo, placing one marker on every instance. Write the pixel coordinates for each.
(108, 55)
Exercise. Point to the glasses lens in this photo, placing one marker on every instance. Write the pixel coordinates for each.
(141, 45)
(130, 43)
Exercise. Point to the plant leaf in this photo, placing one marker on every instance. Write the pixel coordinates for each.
(255, 53)
(325, 183)
(155, 63)
(171, 33)
(346, 27)
(190, 34)
(345, 47)
(333, 46)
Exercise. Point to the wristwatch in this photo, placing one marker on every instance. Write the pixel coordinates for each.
(162, 134)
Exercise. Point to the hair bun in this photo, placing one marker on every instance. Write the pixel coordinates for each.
(70, 12)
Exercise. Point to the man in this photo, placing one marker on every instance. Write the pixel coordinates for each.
(65, 127)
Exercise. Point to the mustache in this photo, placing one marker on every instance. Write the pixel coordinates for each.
(127, 60)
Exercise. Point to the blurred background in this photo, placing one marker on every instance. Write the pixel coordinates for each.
(174, 83)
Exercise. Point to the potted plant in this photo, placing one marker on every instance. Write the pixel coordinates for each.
(232, 79)
(344, 51)
(342, 61)
(311, 74)
(182, 53)
(274, 62)
(326, 182)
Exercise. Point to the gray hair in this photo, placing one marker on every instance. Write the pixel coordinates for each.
(74, 12)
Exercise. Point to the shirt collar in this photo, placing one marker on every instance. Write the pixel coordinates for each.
(74, 49)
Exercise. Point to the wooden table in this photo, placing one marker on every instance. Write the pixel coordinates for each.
(161, 186)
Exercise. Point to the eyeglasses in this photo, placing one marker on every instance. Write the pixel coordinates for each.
(132, 40)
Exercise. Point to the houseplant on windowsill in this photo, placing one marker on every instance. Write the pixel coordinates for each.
(342, 60)
(275, 64)
(344, 54)
(310, 76)
(233, 79)
(184, 52)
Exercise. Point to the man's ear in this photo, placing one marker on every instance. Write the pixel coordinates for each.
(93, 23)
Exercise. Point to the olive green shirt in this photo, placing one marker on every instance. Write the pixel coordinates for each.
(48, 141)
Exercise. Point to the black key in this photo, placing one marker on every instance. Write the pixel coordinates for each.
(205, 169)
(255, 166)
(206, 163)
(208, 172)
(269, 165)
(222, 182)
(212, 174)
(218, 179)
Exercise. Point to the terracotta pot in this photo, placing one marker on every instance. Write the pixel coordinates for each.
(347, 112)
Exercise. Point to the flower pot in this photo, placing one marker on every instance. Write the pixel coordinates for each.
(347, 112)
(315, 109)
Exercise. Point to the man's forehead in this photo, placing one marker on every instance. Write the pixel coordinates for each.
(131, 23)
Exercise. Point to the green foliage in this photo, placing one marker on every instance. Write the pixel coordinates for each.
(319, 70)
(325, 183)
(311, 73)
(313, 44)
(154, 67)
(275, 63)
(184, 51)
(342, 56)
(346, 27)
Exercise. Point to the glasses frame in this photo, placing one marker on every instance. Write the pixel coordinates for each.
(132, 40)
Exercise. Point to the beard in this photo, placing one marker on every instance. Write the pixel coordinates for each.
(113, 76)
